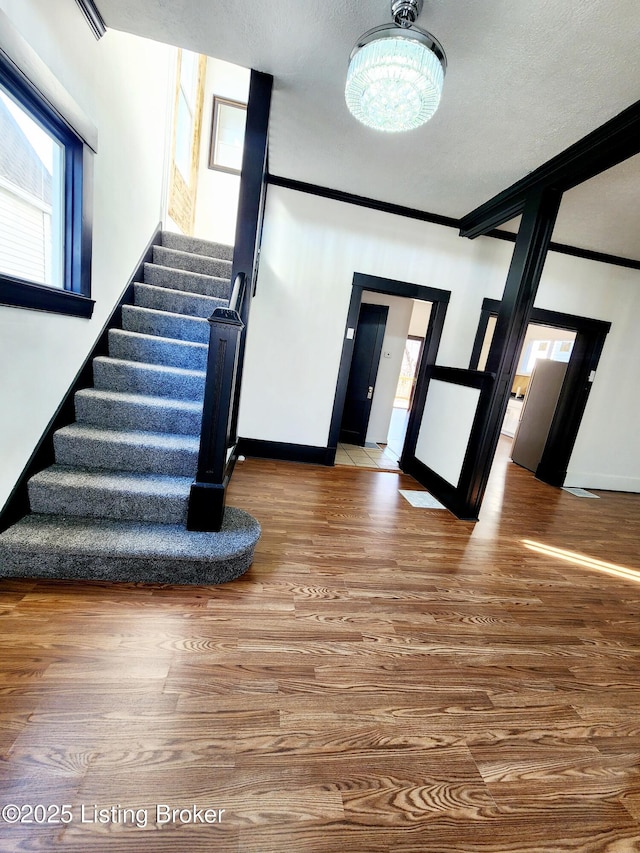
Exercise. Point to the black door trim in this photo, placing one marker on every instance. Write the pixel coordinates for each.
(587, 348)
(439, 299)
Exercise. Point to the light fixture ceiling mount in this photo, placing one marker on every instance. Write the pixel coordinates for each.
(405, 12)
(396, 72)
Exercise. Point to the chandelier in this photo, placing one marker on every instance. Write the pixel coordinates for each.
(396, 72)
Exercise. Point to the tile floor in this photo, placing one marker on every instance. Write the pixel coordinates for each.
(376, 456)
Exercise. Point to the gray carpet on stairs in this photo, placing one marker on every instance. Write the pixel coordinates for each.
(114, 504)
(73, 548)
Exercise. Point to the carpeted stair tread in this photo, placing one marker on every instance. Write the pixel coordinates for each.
(196, 245)
(191, 262)
(165, 324)
(125, 410)
(176, 301)
(187, 282)
(95, 549)
(113, 374)
(98, 493)
(153, 349)
(79, 445)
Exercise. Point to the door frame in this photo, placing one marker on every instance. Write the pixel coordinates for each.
(587, 348)
(440, 300)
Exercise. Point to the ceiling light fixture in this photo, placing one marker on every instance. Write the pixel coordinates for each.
(396, 72)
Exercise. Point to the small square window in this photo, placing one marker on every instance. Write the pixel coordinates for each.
(227, 135)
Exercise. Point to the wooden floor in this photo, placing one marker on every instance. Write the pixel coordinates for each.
(385, 678)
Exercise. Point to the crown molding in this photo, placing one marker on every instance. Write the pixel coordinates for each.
(93, 16)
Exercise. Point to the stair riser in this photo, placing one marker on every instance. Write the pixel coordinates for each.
(161, 299)
(187, 282)
(87, 453)
(157, 351)
(165, 325)
(98, 503)
(134, 378)
(201, 247)
(191, 263)
(26, 561)
(121, 415)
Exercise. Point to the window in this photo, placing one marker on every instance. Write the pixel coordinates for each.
(185, 124)
(45, 190)
(227, 135)
(31, 198)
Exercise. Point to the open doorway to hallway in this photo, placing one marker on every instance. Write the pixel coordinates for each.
(405, 390)
(556, 367)
(391, 391)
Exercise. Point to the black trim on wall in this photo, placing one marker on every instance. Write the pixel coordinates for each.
(285, 452)
(590, 338)
(439, 298)
(43, 454)
(93, 17)
(15, 293)
(429, 354)
(446, 221)
(251, 203)
(603, 148)
(574, 395)
(362, 201)
(539, 316)
(574, 251)
(459, 376)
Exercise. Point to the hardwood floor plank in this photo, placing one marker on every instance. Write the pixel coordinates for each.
(384, 678)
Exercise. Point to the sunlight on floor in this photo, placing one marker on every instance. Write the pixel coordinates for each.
(581, 560)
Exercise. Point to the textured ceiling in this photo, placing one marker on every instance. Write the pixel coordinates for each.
(524, 81)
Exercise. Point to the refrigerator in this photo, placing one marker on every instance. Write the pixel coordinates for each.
(537, 412)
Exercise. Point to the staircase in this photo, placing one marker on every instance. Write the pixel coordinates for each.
(114, 504)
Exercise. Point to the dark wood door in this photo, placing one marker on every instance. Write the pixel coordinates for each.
(367, 350)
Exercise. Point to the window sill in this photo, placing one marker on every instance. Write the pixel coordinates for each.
(38, 297)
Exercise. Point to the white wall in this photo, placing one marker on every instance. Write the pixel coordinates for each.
(311, 248)
(395, 335)
(607, 451)
(420, 319)
(449, 412)
(217, 193)
(121, 84)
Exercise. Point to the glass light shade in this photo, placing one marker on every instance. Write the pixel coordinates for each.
(394, 82)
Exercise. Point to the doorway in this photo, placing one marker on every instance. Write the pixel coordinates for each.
(372, 285)
(581, 340)
(405, 391)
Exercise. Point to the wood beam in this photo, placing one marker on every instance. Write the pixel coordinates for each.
(527, 263)
(603, 148)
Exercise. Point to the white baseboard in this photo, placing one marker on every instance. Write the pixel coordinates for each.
(606, 482)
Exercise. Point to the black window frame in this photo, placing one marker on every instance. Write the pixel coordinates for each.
(74, 298)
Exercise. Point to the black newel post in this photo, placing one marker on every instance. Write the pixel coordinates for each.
(217, 444)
